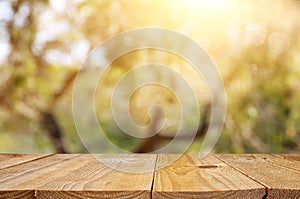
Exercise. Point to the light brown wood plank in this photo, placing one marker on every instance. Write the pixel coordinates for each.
(88, 194)
(12, 177)
(283, 182)
(95, 180)
(8, 160)
(295, 157)
(192, 177)
(281, 161)
(82, 176)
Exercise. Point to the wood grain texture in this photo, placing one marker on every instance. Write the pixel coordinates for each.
(192, 177)
(281, 161)
(94, 179)
(99, 176)
(274, 172)
(16, 194)
(295, 157)
(82, 176)
(8, 160)
(15, 180)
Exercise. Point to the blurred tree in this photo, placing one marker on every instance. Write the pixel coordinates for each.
(26, 93)
(257, 54)
(265, 115)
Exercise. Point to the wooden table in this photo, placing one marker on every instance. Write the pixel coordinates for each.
(215, 176)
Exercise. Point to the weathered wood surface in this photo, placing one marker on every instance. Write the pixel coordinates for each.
(78, 176)
(84, 176)
(291, 156)
(192, 177)
(8, 160)
(280, 176)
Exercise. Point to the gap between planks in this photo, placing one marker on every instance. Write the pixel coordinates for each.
(153, 178)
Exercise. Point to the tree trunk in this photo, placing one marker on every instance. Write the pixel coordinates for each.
(53, 129)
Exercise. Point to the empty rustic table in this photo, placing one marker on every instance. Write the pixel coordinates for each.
(152, 176)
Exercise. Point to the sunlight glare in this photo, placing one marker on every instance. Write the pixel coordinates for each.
(207, 5)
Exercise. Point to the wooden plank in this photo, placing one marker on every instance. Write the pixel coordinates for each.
(17, 194)
(283, 181)
(295, 157)
(95, 180)
(11, 177)
(192, 177)
(281, 161)
(82, 176)
(8, 160)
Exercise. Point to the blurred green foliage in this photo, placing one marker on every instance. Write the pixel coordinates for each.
(255, 44)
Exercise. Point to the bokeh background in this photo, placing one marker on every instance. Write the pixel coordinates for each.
(255, 45)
